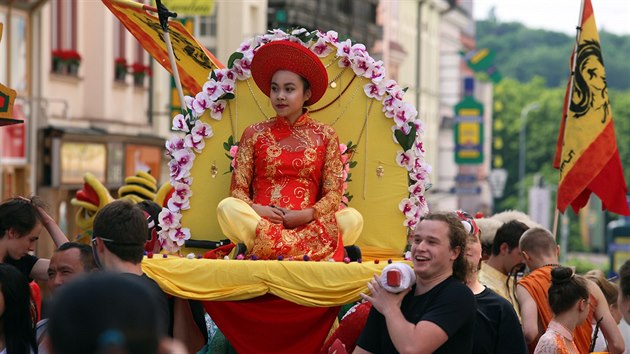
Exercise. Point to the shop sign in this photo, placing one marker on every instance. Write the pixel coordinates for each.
(143, 158)
(468, 132)
(78, 158)
(13, 139)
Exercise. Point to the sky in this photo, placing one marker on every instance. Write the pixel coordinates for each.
(557, 15)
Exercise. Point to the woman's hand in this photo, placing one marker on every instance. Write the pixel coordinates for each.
(295, 218)
(273, 214)
(59, 238)
(381, 299)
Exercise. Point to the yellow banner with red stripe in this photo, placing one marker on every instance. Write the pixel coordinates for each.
(586, 153)
(194, 61)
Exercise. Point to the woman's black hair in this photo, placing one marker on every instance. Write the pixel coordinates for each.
(566, 289)
(307, 85)
(19, 214)
(113, 312)
(17, 322)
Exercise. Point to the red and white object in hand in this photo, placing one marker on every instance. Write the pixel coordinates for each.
(397, 277)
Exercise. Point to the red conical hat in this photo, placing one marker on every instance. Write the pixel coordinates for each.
(291, 56)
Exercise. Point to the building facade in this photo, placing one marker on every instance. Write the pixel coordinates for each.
(93, 100)
(355, 19)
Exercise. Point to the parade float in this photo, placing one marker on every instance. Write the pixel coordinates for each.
(278, 305)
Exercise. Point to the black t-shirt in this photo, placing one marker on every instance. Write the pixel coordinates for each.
(159, 299)
(497, 329)
(24, 265)
(167, 303)
(450, 305)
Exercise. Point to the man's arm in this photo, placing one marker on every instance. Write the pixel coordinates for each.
(608, 325)
(423, 337)
(57, 235)
(40, 270)
(529, 314)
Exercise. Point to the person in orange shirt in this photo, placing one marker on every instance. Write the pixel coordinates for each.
(540, 254)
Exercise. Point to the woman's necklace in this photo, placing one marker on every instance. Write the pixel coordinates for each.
(551, 265)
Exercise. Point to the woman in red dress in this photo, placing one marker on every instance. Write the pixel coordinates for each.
(288, 176)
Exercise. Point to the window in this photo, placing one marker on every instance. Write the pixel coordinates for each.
(119, 40)
(65, 56)
(139, 68)
(18, 52)
(372, 12)
(120, 57)
(208, 25)
(64, 24)
(345, 6)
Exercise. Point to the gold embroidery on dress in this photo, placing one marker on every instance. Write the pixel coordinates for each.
(274, 151)
(276, 192)
(310, 154)
(306, 200)
(311, 150)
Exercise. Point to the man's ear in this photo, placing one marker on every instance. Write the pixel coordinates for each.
(526, 257)
(100, 245)
(504, 248)
(455, 253)
(10, 234)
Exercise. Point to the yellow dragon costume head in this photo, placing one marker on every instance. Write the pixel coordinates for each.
(94, 196)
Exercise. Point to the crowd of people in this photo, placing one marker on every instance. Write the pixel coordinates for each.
(480, 286)
(458, 303)
(452, 307)
(560, 311)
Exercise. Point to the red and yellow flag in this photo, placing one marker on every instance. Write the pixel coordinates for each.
(194, 61)
(586, 152)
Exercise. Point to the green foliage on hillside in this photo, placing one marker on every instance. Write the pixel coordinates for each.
(523, 53)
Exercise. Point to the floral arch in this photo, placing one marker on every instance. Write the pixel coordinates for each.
(389, 175)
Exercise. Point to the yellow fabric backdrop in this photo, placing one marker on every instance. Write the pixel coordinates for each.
(303, 283)
(355, 117)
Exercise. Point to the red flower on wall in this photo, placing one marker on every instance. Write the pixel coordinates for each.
(66, 55)
(140, 69)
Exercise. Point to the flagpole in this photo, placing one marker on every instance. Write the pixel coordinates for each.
(569, 100)
(163, 15)
(136, 5)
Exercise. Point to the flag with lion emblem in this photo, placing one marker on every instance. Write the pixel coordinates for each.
(586, 152)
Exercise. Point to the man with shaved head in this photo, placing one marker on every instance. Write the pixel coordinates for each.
(540, 254)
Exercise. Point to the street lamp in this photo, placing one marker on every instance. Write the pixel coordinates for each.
(522, 153)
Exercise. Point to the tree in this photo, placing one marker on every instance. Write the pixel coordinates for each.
(523, 53)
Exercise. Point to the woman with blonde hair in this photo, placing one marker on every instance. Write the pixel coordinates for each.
(611, 292)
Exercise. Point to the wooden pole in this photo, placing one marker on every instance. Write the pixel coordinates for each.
(569, 100)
